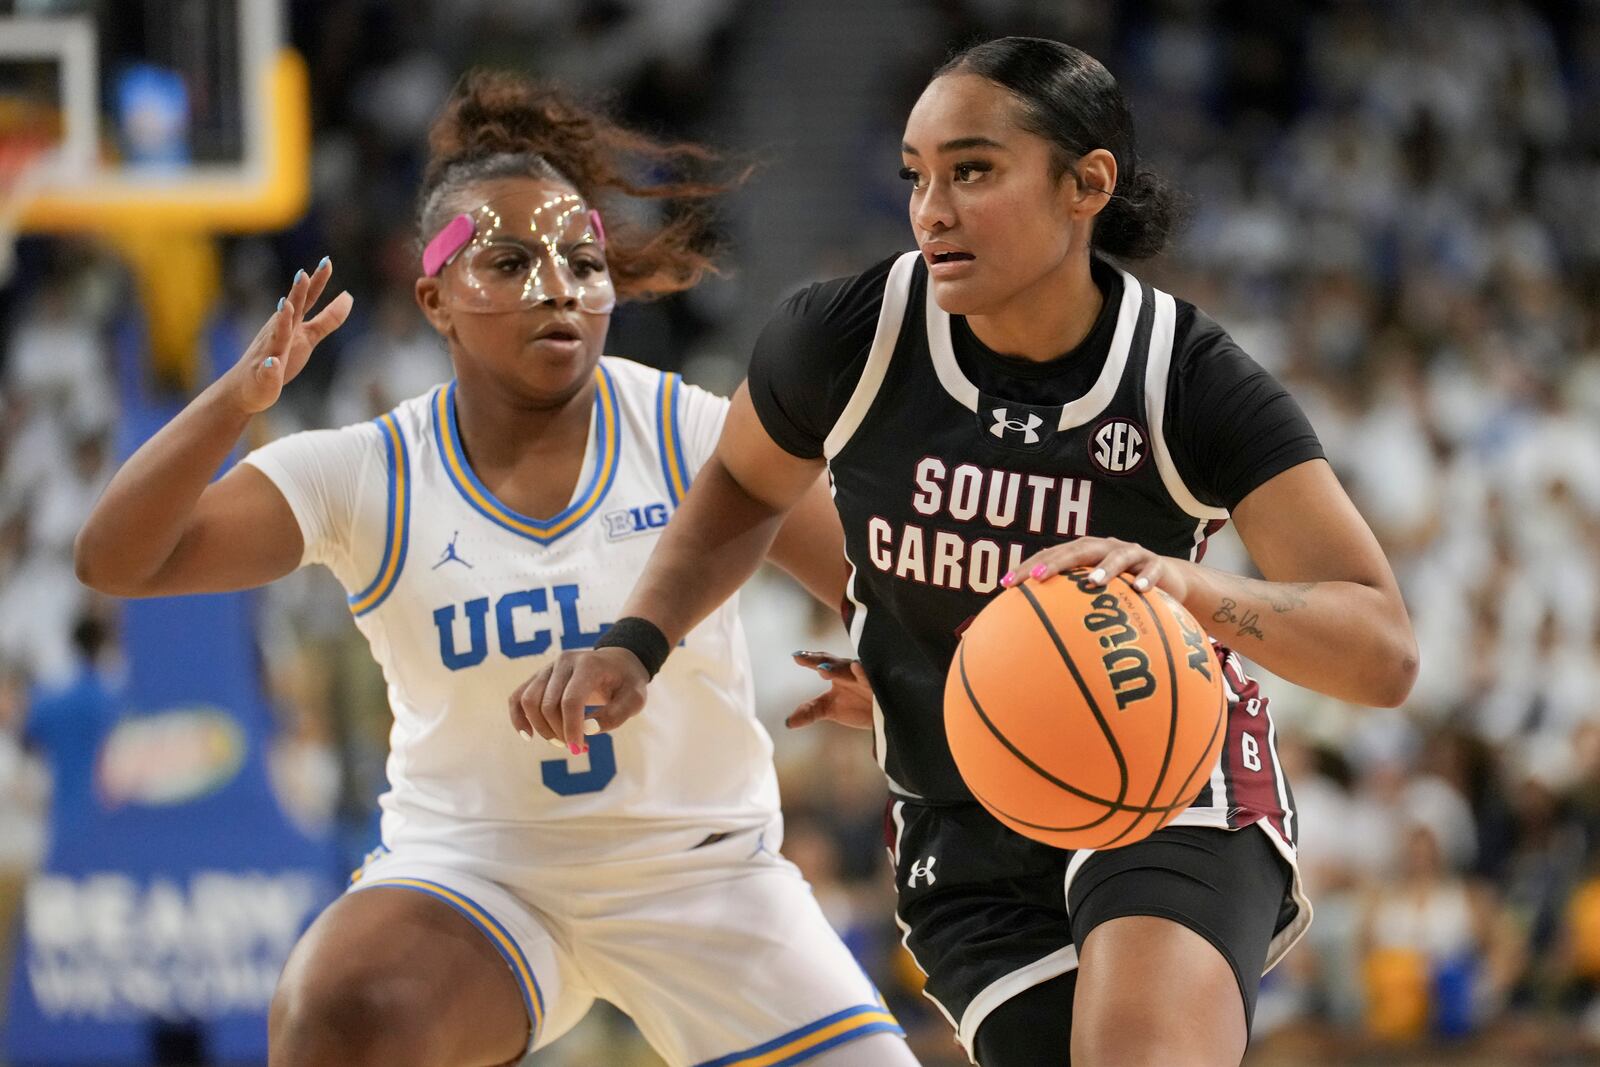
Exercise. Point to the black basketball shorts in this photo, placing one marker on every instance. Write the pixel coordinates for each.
(992, 915)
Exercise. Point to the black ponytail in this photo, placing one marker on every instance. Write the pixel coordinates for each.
(1071, 100)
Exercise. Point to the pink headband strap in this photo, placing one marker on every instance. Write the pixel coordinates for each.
(446, 243)
(459, 230)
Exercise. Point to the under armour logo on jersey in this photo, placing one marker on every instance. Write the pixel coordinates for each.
(449, 555)
(1004, 424)
(1117, 446)
(923, 870)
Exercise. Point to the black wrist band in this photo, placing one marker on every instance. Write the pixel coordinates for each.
(641, 637)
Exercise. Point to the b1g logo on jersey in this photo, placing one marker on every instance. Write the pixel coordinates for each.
(1118, 446)
(631, 521)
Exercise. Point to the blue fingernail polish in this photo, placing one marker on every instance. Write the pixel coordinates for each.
(324, 263)
(269, 362)
(280, 303)
(827, 665)
(299, 274)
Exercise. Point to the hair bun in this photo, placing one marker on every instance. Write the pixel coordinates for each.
(1139, 220)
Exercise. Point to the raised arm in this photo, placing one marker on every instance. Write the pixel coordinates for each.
(162, 527)
(712, 546)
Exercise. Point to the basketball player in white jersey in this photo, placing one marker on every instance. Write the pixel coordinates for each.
(480, 529)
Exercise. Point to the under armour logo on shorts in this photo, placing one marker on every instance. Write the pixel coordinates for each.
(923, 870)
(1004, 424)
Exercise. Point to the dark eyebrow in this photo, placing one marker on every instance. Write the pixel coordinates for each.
(957, 145)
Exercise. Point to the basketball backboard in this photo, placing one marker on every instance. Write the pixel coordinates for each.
(171, 114)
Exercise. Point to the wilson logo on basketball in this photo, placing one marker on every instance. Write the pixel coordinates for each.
(1128, 668)
(1072, 715)
(1117, 446)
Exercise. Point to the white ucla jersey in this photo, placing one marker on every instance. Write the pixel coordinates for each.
(462, 599)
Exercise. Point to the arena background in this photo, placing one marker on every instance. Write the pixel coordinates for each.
(1397, 211)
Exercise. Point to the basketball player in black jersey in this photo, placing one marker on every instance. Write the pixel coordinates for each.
(1001, 405)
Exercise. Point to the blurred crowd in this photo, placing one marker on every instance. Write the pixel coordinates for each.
(1396, 210)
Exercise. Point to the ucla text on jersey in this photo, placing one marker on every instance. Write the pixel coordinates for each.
(463, 599)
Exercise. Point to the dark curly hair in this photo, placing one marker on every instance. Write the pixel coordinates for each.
(501, 125)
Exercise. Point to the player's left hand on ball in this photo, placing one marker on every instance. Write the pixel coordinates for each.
(581, 693)
(1106, 557)
(848, 700)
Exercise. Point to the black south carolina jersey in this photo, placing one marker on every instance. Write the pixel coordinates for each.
(950, 464)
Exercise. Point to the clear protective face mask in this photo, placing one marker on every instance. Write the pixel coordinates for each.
(513, 255)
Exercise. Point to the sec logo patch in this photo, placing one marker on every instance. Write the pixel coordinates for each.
(1118, 446)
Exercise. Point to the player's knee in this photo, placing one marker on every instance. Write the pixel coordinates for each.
(1127, 1039)
(1130, 1029)
(353, 1021)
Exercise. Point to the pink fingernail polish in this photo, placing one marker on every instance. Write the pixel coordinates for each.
(1010, 577)
(1039, 571)
(575, 750)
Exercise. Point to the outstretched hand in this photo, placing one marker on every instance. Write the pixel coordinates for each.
(848, 700)
(284, 343)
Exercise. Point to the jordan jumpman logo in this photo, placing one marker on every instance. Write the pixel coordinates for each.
(450, 554)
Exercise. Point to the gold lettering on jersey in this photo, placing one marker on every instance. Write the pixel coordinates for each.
(1128, 668)
(996, 500)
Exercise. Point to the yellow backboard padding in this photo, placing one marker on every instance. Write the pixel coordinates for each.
(271, 199)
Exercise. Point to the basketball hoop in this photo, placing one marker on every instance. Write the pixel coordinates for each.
(25, 166)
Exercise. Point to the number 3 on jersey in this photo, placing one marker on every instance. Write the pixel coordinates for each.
(559, 777)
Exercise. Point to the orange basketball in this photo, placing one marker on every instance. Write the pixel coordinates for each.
(1084, 717)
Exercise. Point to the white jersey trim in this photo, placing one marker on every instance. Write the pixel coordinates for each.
(1158, 366)
(1003, 989)
(1290, 935)
(1283, 779)
(898, 815)
(896, 293)
(675, 471)
(1080, 856)
(397, 520)
(944, 355)
(1219, 776)
(1075, 413)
